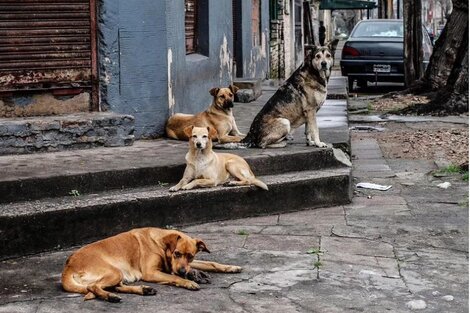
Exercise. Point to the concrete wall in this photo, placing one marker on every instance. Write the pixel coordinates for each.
(255, 57)
(133, 63)
(144, 69)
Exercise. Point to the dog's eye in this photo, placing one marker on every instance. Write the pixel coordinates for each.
(190, 258)
(317, 56)
(194, 136)
(328, 56)
(177, 254)
(205, 136)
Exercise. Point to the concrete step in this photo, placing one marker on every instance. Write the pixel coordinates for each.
(30, 177)
(34, 226)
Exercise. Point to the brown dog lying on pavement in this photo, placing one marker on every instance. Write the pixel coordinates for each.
(149, 254)
(205, 168)
(218, 116)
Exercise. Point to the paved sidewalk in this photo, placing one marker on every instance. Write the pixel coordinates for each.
(389, 251)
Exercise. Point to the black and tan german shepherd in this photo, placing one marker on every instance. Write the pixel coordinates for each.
(295, 103)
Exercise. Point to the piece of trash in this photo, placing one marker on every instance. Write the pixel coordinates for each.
(444, 185)
(373, 186)
(369, 197)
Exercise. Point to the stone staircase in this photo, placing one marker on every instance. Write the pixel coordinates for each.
(54, 200)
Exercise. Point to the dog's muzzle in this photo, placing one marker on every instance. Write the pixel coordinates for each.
(198, 145)
(324, 66)
(228, 104)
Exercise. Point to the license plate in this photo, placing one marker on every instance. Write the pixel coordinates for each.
(382, 68)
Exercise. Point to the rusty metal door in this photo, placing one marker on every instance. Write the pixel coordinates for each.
(48, 45)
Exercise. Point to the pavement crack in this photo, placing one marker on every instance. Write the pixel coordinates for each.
(333, 234)
(403, 279)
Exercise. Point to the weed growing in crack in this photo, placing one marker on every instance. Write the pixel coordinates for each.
(162, 184)
(242, 232)
(74, 193)
(317, 264)
(451, 170)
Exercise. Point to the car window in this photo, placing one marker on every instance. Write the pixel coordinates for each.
(379, 29)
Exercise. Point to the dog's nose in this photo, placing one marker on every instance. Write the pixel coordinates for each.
(324, 64)
(229, 103)
(198, 144)
(182, 272)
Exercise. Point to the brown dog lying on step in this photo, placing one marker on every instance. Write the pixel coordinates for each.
(149, 254)
(205, 168)
(218, 116)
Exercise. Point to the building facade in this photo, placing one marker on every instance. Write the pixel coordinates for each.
(145, 58)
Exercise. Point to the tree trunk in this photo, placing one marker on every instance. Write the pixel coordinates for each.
(454, 97)
(413, 41)
(446, 50)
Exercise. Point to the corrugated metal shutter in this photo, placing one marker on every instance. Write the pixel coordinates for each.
(47, 44)
(190, 25)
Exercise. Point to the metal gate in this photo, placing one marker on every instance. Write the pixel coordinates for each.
(48, 45)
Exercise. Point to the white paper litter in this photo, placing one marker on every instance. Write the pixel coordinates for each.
(373, 186)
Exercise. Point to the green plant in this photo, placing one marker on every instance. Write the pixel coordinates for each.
(74, 193)
(242, 232)
(162, 184)
(451, 169)
(317, 264)
(315, 251)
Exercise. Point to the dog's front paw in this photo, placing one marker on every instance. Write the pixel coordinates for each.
(148, 291)
(187, 187)
(113, 298)
(234, 269)
(191, 285)
(318, 144)
(174, 188)
(198, 276)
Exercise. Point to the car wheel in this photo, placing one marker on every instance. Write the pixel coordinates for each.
(350, 84)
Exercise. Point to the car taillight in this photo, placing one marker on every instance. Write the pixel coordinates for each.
(351, 52)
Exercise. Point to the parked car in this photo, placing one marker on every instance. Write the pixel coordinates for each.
(374, 52)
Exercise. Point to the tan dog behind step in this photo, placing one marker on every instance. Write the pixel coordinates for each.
(205, 168)
(218, 116)
(149, 254)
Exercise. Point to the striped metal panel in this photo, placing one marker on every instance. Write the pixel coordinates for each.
(46, 44)
(190, 25)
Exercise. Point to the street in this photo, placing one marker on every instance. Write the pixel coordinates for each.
(388, 251)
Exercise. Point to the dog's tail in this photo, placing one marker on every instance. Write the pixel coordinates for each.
(255, 181)
(231, 146)
(70, 284)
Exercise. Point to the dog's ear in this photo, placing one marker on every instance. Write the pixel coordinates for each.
(233, 88)
(332, 45)
(170, 241)
(201, 246)
(212, 132)
(188, 131)
(214, 91)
